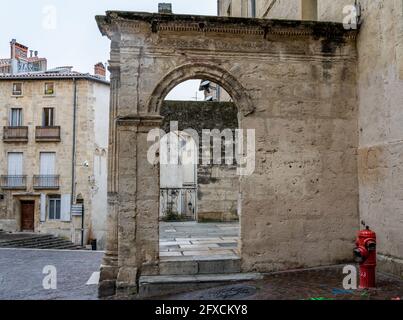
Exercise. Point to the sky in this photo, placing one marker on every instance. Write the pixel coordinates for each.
(65, 31)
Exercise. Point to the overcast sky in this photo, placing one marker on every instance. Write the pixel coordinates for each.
(65, 31)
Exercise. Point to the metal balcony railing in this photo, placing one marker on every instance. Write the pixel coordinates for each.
(13, 182)
(47, 134)
(46, 182)
(15, 134)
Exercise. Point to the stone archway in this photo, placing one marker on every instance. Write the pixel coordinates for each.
(201, 71)
(294, 84)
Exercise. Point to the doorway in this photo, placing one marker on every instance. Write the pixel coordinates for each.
(27, 215)
(199, 185)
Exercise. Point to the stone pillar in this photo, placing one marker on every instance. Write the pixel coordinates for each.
(109, 268)
(133, 225)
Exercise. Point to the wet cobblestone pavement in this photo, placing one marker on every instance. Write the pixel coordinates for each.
(320, 284)
(21, 274)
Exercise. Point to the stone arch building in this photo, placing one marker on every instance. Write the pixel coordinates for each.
(294, 83)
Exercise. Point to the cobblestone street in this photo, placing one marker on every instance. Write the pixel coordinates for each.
(21, 274)
(21, 278)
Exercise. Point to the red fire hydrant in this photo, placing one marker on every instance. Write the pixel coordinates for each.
(365, 255)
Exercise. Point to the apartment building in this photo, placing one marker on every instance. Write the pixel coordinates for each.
(53, 153)
(22, 60)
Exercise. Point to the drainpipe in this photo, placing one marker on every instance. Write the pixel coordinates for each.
(73, 161)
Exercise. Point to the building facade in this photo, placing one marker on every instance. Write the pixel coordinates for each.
(380, 95)
(21, 61)
(53, 153)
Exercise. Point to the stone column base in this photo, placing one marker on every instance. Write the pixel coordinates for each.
(107, 281)
(126, 283)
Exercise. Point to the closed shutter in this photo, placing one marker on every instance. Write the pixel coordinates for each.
(15, 169)
(15, 164)
(65, 214)
(43, 207)
(47, 163)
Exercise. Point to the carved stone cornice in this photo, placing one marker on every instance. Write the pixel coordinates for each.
(156, 23)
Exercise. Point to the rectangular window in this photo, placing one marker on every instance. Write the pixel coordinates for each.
(15, 117)
(54, 207)
(49, 88)
(17, 89)
(48, 119)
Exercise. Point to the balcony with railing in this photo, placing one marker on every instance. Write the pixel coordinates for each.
(47, 134)
(46, 182)
(15, 134)
(13, 182)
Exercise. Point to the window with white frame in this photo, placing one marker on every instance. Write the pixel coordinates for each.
(54, 207)
(15, 117)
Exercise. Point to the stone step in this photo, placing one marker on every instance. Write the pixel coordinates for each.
(206, 266)
(26, 239)
(157, 286)
(29, 242)
(50, 244)
(40, 242)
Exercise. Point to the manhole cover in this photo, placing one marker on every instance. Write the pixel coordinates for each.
(234, 292)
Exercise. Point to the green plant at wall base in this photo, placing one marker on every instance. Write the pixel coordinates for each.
(172, 216)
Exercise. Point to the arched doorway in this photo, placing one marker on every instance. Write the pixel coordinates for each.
(200, 199)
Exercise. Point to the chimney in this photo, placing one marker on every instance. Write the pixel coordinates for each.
(31, 52)
(165, 8)
(36, 54)
(99, 70)
(12, 48)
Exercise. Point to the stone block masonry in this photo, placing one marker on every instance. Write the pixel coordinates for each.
(293, 82)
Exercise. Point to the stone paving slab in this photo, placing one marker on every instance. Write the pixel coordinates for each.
(198, 240)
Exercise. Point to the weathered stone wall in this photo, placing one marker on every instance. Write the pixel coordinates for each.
(322, 10)
(279, 9)
(380, 90)
(330, 10)
(293, 83)
(274, 9)
(218, 185)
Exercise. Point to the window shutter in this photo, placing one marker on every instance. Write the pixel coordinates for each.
(65, 214)
(43, 207)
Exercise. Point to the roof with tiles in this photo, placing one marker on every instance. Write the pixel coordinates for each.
(56, 74)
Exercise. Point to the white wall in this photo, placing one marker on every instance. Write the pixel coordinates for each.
(185, 171)
(100, 167)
